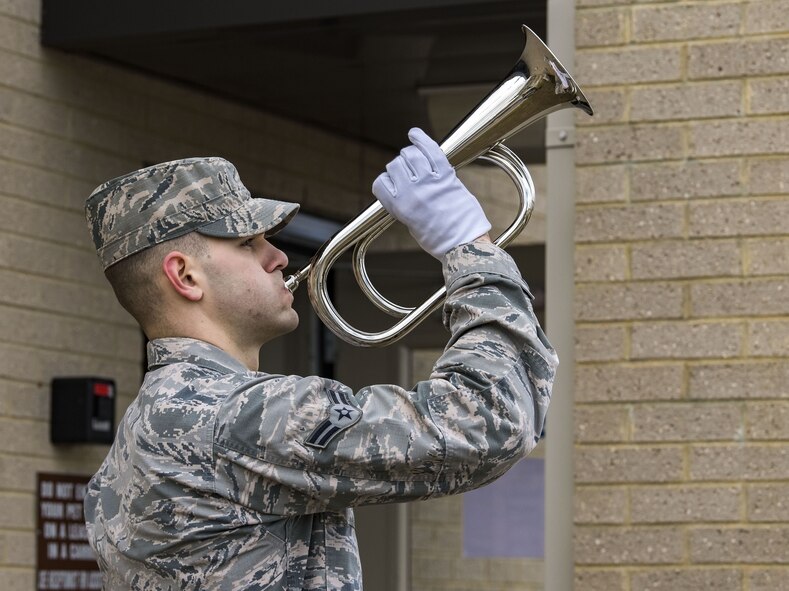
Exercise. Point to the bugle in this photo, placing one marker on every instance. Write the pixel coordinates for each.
(537, 85)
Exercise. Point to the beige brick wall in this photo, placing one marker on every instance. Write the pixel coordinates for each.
(67, 124)
(682, 377)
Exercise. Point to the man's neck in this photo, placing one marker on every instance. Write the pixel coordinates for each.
(246, 354)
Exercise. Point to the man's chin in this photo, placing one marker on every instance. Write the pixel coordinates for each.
(287, 326)
(295, 324)
(291, 323)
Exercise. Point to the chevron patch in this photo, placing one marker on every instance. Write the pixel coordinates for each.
(342, 415)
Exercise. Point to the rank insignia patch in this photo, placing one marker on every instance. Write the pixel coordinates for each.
(342, 415)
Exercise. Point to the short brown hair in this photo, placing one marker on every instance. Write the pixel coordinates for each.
(134, 279)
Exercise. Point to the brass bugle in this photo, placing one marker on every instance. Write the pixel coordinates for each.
(537, 85)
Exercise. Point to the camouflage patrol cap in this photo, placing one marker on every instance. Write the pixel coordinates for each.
(141, 209)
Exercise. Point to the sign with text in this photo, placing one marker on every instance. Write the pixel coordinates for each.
(65, 559)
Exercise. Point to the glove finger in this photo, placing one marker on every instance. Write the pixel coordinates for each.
(431, 150)
(384, 189)
(417, 162)
(399, 172)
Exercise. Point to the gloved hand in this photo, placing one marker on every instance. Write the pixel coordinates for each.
(420, 189)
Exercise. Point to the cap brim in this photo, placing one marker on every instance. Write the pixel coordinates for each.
(256, 216)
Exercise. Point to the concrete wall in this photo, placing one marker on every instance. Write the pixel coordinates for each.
(682, 380)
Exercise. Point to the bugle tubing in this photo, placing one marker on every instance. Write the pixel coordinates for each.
(537, 85)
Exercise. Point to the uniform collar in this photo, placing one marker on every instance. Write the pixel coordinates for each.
(185, 350)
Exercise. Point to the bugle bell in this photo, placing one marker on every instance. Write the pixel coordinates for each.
(536, 86)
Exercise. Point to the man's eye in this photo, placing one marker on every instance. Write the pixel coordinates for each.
(247, 243)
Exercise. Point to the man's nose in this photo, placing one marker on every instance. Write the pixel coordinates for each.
(275, 259)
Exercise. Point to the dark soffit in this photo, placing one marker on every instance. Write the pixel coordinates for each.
(366, 70)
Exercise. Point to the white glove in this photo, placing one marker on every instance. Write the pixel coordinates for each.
(420, 189)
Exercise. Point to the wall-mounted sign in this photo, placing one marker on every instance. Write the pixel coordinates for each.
(65, 559)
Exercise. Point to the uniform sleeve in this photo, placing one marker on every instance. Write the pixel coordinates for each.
(291, 445)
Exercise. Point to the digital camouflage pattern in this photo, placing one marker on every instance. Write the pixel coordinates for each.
(212, 484)
(136, 211)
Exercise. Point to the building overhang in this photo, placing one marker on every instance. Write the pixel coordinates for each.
(366, 70)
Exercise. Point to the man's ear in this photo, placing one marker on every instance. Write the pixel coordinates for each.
(182, 275)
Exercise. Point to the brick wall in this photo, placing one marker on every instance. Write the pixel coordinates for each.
(682, 381)
(67, 124)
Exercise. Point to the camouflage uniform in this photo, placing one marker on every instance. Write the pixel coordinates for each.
(222, 478)
(217, 480)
